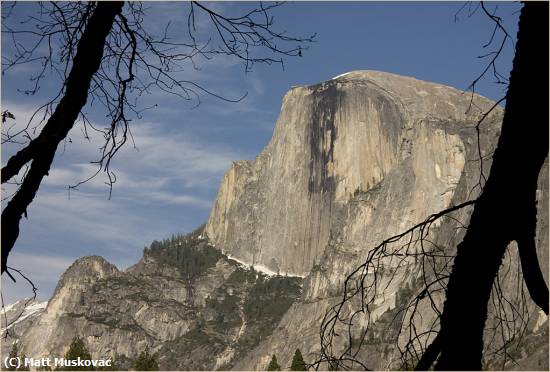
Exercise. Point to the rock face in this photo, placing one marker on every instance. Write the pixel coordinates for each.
(353, 161)
(334, 140)
(183, 298)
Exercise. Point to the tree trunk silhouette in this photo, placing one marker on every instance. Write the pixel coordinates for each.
(506, 210)
(41, 150)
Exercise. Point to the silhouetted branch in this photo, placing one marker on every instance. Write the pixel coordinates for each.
(493, 55)
(132, 62)
(350, 319)
(41, 150)
(34, 289)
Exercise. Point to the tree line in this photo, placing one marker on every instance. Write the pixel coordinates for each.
(145, 361)
(298, 363)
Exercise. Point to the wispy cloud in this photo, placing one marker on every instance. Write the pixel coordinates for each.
(165, 185)
(162, 159)
(88, 216)
(162, 186)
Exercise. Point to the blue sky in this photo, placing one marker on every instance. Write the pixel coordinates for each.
(167, 185)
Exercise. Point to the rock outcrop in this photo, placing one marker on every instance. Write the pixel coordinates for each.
(334, 140)
(182, 298)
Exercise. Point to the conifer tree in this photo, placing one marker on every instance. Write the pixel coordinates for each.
(77, 350)
(273, 365)
(298, 363)
(146, 361)
(14, 353)
(23, 366)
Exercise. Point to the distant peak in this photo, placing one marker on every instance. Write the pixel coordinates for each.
(366, 74)
(93, 261)
(89, 267)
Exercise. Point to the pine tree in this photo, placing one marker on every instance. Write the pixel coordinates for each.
(146, 361)
(298, 363)
(14, 353)
(77, 350)
(23, 366)
(273, 365)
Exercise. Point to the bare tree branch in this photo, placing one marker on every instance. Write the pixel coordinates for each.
(132, 62)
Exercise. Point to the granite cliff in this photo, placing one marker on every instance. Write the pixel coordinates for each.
(334, 140)
(352, 161)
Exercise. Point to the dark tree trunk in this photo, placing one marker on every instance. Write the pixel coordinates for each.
(506, 210)
(41, 150)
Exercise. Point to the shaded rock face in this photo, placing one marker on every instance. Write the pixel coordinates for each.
(334, 140)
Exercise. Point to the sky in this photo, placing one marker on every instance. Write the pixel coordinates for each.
(167, 183)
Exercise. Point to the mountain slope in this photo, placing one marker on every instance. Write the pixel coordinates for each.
(183, 297)
(353, 161)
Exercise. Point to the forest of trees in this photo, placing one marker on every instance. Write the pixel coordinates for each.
(144, 361)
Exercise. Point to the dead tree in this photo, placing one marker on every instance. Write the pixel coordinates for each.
(41, 150)
(103, 54)
(506, 210)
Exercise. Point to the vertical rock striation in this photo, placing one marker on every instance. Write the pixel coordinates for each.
(332, 141)
(380, 156)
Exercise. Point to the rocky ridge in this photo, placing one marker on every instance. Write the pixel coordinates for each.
(182, 298)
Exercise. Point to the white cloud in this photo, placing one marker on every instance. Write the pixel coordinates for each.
(171, 198)
(162, 161)
(168, 171)
(91, 217)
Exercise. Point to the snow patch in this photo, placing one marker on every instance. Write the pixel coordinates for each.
(262, 268)
(15, 305)
(341, 75)
(37, 306)
(29, 311)
(9, 307)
